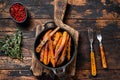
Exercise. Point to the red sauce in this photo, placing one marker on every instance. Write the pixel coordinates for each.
(18, 12)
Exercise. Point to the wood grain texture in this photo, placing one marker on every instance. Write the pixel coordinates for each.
(80, 15)
(77, 9)
(81, 75)
(77, 24)
(110, 35)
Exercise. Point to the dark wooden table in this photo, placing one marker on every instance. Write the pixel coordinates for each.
(80, 15)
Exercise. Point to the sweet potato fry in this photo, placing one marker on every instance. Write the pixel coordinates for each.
(63, 55)
(46, 54)
(47, 33)
(69, 49)
(51, 52)
(56, 38)
(42, 43)
(49, 56)
(42, 54)
(39, 47)
(64, 37)
(58, 44)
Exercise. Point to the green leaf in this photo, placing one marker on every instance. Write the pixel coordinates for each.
(12, 46)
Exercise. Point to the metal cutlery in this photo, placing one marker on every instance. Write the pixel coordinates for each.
(104, 63)
(92, 55)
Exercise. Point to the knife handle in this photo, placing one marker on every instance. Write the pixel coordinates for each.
(93, 64)
(104, 63)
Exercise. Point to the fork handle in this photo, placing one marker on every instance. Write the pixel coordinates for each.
(93, 64)
(104, 63)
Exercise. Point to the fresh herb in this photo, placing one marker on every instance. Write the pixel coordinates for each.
(12, 46)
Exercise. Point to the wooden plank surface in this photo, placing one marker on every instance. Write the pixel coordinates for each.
(76, 9)
(77, 24)
(81, 75)
(80, 15)
(111, 41)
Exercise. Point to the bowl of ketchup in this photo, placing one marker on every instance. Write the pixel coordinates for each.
(18, 12)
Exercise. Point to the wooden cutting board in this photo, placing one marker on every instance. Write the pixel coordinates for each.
(36, 68)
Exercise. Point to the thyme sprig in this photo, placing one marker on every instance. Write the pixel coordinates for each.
(12, 46)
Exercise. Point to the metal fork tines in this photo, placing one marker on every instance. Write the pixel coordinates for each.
(90, 36)
(103, 58)
(92, 55)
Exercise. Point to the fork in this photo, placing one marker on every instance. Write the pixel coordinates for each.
(92, 55)
(103, 58)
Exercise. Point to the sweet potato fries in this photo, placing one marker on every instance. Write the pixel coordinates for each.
(56, 50)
